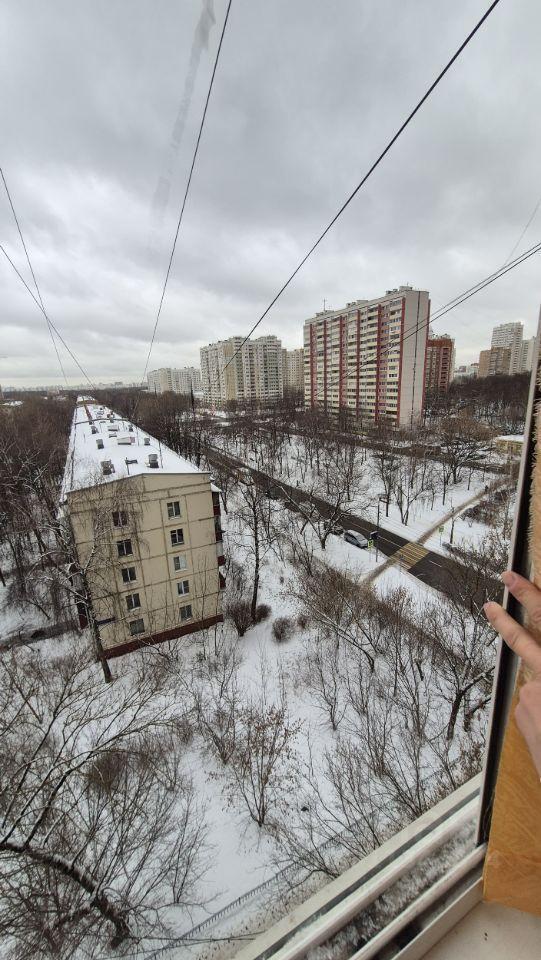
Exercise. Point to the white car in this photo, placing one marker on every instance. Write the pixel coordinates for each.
(357, 539)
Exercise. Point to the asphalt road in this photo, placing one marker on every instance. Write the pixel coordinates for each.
(433, 569)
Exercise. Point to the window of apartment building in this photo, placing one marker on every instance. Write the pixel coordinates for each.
(124, 548)
(183, 586)
(128, 574)
(120, 518)
(180, 562)
(186, 612)
(173, 509)
(137, 626)
(177, 537)
(133, 601)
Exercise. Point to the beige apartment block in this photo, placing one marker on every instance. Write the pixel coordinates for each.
(222, 375)
(146, 525)
(241, 370)
(495, 361)
(293, 369)
(174, 380)
(368, 358)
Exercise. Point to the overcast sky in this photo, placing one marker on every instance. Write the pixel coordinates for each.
(306, 94)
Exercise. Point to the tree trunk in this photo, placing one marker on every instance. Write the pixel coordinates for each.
(82, 878)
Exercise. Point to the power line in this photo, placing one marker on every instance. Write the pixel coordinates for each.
(187, 190)
(376, 163)
(34, 277)
(40, 307)
(531, 219)
(446, 308)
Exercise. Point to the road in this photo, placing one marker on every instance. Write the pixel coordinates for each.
(431, 568)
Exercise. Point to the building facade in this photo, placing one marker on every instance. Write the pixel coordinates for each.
(440, 364)
(369, 357)
(174, 379)
(509, 336)
(146, 528)
(495, 361)
(293, 369)
(242, 371)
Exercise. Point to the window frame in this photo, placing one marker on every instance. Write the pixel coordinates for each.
(186, 606)
(175, 533)
(171, 509)
(183, 583)
(130, 605)
(122, 517)
(127, 570)
(179, 556)
(122, 550)
(132, 623)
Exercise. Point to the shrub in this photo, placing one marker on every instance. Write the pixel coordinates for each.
(262, 612)
(282, 629)
(303, 620)
(183, 731)
(240, 613)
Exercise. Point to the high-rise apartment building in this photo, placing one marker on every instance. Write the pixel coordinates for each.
(495, 361)
(236, 370)
(440, 364)
(509, 335)
(293, 368)
(146, 525)
(369, 357)
(221, 371)
(176, 380)
(528, 352)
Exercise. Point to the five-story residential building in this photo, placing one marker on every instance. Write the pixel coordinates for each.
(146, 530)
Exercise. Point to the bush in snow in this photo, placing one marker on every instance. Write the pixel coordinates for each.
(263, 612)
(239, 612)
(282, 629)
(303, 620)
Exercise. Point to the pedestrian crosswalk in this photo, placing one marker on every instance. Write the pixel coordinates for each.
(409, 555)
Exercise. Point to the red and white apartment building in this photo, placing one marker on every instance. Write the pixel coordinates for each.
(369, 357)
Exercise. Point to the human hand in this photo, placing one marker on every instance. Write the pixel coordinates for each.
(528, 711)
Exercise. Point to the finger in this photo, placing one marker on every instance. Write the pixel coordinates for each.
(515, 636)
(526, 593)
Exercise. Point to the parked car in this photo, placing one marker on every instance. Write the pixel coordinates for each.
(357, 539)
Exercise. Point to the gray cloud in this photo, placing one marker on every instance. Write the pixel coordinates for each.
(306, 95)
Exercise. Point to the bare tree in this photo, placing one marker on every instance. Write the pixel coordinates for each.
(323, 675)
(98, 822)
(259, 766)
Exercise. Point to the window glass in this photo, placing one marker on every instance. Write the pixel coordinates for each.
(180, 562)
(186, 612)
(173, 509)
(177, 537)
(183, 586)
(133, 601)
(128, 574)
(124, 548)
(137, 626)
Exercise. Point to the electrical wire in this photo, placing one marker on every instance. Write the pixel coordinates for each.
(530, 221)
(40, 307)
(186, 192)
(34, 277)
(376, 163)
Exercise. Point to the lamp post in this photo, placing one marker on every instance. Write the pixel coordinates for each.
(380, 498)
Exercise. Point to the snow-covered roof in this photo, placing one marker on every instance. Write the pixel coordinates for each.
(98, 436)
(515, 437)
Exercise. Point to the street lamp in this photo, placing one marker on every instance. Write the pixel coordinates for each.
(380, 498)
